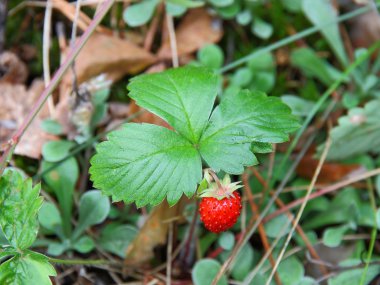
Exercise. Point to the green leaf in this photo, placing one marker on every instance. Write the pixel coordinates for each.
(19, 206)
(299, 106)
(226, 142)
(264, 62)
(84, 244)
(116, 238)
(314, 66)
(184, 97)
(320, 13)
(175, 10)
(291, 271)
(244, 264)
(140, 13)
(292, 5)
(377, 184)
(274, 227)
(357, 133)
(56, 150)
(205, 271)
(144, 163)
(26, 269)
(50, 218)
(244, 17)
(242, 77)
(353, 276)
(308, 61)
(52, 127)
(93, 209)
(56, 249)
(226, 240)
(332, 237)
(186, 3)
(259, 147)
(221, 3)
(62, 180)
(262, 29)
(211, 56)
(228, 12)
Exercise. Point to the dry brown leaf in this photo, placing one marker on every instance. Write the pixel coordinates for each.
(364, 30)
(104, 54)
(196, 29)
(330, 172)
(153, 233)
(83, 21)
(16, 102)
(12, 69)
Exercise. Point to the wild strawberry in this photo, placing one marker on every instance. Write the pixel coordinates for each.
(220, 205)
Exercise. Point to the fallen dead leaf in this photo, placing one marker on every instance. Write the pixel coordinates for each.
(12, 69)
(330, 172)
(102, 55)
(16, 102)
(153, 233)
(197, 29)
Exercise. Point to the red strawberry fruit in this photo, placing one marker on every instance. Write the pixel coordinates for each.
(220, 206)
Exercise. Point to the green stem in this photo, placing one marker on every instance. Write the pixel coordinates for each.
(79, 261)
(373, 232)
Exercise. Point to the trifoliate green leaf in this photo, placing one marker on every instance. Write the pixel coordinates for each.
(183, 97)
(19, 206)
(143, 163)
(357, 133)
(28, 268)
(237, 122)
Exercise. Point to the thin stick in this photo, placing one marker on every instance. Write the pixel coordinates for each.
(53, 84)
(3, 20)
(169, 255)
(46, 53)
(252, 274)
(172, 38)
(261, 229)
(300, 212)
(73, 38)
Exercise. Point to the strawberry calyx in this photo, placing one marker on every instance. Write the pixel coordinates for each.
(219, 189)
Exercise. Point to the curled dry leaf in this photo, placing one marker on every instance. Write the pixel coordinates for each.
(16, 101)
(197, 29)
(154, 232)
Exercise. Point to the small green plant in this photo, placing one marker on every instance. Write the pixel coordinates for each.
(145, 163)
(19, 205)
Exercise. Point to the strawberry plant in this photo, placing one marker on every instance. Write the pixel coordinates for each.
(145, 163)
(19, 206)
